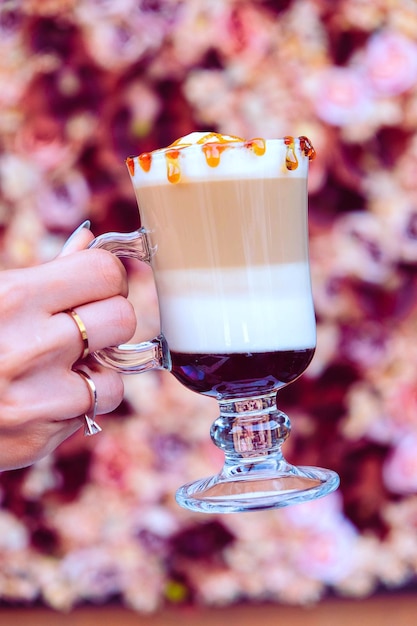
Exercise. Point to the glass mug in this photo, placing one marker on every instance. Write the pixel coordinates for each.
(224, 228)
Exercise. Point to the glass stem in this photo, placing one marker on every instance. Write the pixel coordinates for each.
(250, 430)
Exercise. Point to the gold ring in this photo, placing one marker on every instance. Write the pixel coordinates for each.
(83, 331)
(91, 427)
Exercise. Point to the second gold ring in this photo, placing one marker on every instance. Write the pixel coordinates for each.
(83, 331)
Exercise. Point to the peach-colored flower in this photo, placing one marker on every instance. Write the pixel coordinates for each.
(123, 35)
(401, 404)
(400, 467)
(363, 247)
(41, 139)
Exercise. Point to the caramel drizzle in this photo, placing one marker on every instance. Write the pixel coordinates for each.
(258, 146)
(291, 161)
(145, 161)
(130, 165)
(173, 165)
(213, 150)
(307, 147)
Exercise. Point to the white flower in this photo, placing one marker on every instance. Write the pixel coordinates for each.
(13, 534)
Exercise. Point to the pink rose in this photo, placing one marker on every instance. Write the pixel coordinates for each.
(390, 63)
(325, 548)
(341, 96)
(328, 553)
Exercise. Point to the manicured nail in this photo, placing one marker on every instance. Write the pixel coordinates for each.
(85, 224)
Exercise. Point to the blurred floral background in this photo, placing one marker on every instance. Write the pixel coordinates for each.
(83, 85)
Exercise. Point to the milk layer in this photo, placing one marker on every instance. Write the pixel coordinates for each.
(235, 310)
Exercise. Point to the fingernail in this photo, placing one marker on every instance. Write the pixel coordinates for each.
(85, 224)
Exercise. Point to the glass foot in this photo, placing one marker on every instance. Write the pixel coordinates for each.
(257, 490)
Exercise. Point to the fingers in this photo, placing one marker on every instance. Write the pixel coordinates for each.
(43, 399)
(75, 279)
(22, 447)
(101, 393)
(48, 395)
(107, 323)
(39, 414)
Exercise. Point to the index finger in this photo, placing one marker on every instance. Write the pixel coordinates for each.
(79, 278)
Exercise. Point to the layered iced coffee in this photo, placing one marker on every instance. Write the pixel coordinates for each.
(227, 222)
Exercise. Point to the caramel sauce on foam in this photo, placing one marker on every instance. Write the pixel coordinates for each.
(213, 145)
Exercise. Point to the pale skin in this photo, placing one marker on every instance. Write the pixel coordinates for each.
(42, 400)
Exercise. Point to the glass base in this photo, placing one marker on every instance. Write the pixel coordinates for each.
(257, 490)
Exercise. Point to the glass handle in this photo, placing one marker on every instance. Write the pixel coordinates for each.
(140, 357)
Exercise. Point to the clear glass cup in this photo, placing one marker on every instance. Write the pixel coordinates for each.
(224, 228)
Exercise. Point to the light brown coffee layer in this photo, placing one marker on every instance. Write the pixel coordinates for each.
(226, 223)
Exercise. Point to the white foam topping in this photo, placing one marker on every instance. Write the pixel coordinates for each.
(199, 137)
(207, 155)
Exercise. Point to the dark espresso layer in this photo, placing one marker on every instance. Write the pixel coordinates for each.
(239, 375)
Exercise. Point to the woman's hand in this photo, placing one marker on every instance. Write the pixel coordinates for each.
(42, 399)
